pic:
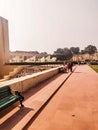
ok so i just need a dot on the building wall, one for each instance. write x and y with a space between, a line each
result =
22 56
81 57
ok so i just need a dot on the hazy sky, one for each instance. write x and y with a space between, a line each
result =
45 25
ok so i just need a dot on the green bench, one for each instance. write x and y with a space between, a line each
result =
8 97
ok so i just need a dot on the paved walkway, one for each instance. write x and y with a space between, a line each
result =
73 107
35 99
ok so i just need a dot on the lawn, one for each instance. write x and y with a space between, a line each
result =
95 67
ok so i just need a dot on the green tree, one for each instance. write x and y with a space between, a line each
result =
90 49
75 50
63 54
82 52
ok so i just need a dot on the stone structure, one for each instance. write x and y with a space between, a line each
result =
24 83
4 41
4 48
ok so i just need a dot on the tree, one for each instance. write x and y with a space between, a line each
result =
67 53
44 53
90 49
82 52
63 54
59 51
75 50
59 54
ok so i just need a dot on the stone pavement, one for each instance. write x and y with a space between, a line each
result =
14 118
73 107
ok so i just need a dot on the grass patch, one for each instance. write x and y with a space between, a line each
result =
94 67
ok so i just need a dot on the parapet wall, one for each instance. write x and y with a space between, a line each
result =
24 83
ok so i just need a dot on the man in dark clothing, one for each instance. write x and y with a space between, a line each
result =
71 65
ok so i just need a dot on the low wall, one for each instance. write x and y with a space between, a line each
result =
23 83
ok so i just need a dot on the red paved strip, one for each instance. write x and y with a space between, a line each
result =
74 106
34 99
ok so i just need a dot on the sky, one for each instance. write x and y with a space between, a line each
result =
45 25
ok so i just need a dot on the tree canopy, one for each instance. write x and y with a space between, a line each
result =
63 54
90 49
66 53
75 50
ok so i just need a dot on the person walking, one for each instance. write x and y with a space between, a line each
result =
71 65
68 66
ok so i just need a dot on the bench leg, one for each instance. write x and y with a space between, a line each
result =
21 104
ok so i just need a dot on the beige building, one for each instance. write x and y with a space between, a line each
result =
22 56
83 57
